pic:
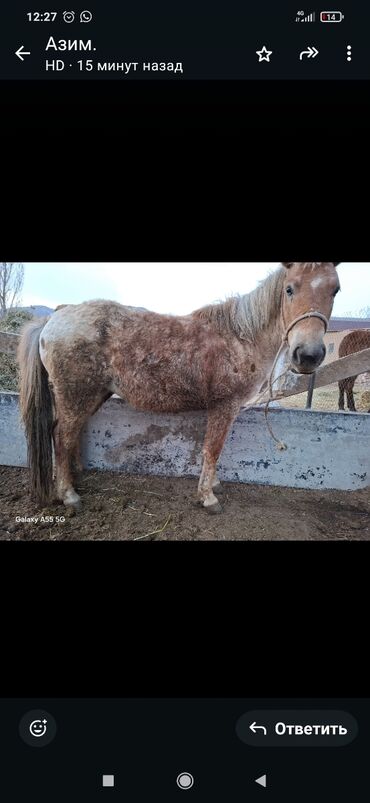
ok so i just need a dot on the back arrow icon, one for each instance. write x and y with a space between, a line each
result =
311 52
254 727
20 53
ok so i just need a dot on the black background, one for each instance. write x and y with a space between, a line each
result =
198 171
180 172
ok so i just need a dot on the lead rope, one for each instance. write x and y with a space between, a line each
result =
312 314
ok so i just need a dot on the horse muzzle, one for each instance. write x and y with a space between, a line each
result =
305 359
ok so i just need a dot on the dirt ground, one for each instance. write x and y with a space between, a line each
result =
122 508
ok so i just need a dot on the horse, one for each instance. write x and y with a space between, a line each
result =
354 341
215 358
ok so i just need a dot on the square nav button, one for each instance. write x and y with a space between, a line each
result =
108 780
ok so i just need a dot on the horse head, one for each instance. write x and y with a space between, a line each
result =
309 290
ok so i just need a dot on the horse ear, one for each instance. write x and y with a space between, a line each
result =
287 264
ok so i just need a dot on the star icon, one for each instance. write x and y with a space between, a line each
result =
264 54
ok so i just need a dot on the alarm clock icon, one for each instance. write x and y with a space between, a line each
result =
68 16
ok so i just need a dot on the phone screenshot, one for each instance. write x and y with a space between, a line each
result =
185 363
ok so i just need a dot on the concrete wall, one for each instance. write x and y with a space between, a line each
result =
325 450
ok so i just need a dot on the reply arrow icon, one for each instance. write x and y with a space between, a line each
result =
254 728
311 52
20 52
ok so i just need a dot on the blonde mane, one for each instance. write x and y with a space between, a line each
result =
245 316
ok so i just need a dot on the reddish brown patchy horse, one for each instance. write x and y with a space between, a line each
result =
354 341
216 358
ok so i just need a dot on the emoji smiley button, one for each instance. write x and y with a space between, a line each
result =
37 728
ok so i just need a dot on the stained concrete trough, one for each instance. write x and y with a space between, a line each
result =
325 449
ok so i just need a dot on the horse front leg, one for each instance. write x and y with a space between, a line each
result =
220 419
341 395
216 485
351 398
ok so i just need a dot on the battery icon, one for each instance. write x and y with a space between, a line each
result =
331 16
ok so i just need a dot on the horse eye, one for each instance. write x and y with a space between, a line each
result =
336 291
289 290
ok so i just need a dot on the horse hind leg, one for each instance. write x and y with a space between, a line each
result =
66 435
219 422
67 431
350 397
341 395
351 402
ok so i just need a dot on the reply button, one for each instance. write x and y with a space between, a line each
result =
297 728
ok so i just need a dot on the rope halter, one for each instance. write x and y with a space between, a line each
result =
310 314
284 341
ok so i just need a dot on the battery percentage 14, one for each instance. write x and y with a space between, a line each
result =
331 16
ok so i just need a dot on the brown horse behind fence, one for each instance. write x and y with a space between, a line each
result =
354 341
216 359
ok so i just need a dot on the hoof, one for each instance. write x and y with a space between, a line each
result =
73 500
213 509
76 506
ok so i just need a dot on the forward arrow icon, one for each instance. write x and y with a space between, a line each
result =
311 52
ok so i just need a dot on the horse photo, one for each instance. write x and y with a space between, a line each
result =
215 358
354 341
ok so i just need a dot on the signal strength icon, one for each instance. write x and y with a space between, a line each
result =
301 17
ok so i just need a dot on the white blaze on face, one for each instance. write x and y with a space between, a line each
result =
317 282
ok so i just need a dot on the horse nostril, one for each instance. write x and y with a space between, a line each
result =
317 356
310 359
302 356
